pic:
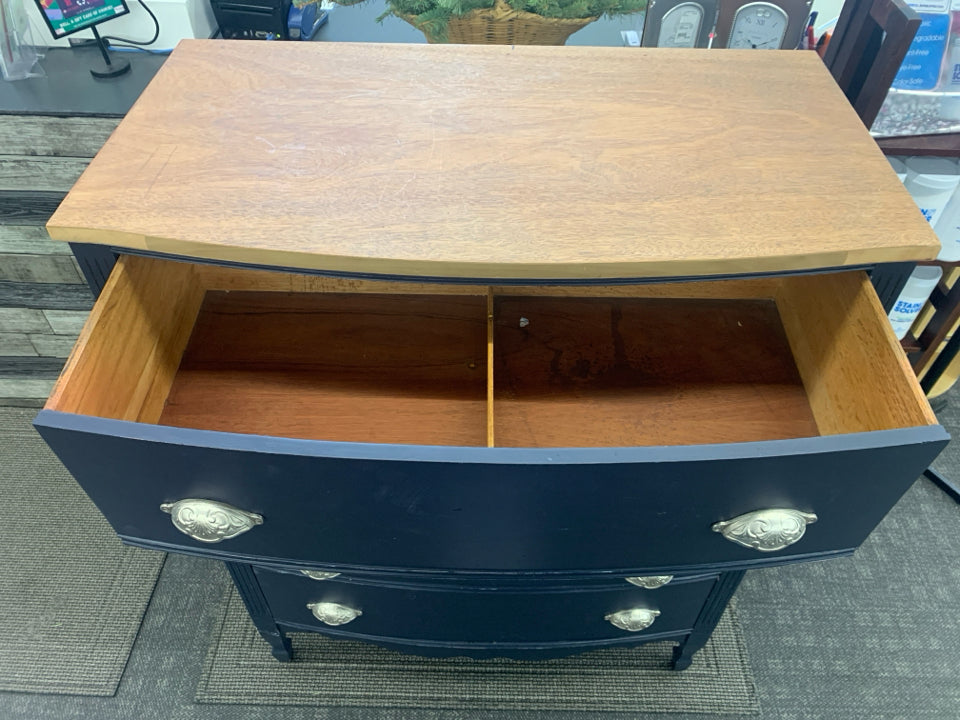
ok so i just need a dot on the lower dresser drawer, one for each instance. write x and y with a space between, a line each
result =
465 616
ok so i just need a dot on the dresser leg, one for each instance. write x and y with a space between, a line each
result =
713 609
249 589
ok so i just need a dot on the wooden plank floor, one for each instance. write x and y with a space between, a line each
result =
43 298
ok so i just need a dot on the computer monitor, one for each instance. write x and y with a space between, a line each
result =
65 17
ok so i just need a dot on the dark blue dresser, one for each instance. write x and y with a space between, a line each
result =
490 351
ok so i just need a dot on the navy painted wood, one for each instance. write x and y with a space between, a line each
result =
488 509
260 612
96 262
710 615
470 617
948 485
430 575
889 280
483 651
483 583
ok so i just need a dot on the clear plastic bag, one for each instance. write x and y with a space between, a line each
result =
925 96
19 56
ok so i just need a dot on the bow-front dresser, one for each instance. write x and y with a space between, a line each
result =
490 351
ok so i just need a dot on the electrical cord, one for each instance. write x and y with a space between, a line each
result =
138 43
130 48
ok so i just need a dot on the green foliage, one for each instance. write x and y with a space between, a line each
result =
432 16
578 8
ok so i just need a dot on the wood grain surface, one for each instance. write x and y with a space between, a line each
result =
857 376
346 359
362 368
582 372
130 347
29 240
48 174
44 296
28 207
214 277
478 161
79 137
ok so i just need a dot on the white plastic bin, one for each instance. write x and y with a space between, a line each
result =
914 296
948 230
899 167
932 181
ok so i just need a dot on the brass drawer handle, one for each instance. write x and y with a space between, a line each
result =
650 582
210 521
320 574
333 613
632 620
766 530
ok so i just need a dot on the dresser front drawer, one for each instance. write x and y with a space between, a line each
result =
467 616
278 418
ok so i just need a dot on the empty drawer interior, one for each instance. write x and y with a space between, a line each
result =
644 371
367 368
298 356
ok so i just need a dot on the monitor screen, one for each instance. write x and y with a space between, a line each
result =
68 16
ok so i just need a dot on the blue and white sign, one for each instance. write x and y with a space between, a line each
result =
921 67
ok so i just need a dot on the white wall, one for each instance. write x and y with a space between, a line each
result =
178 19
828 10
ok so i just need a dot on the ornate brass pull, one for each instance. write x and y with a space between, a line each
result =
320 574
632 620
650 582
333 613
210 521
766 530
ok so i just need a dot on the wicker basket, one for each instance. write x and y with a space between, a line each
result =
502 25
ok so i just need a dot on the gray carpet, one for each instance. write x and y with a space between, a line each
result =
71 596
337 673
874 636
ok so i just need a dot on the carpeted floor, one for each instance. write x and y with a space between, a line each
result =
239 669
874 636
71 596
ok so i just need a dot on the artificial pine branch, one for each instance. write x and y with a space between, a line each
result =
432 16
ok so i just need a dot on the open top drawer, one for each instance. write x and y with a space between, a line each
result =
401 425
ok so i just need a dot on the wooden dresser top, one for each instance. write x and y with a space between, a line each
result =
503 162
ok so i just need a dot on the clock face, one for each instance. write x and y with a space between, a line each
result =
680 27
759 26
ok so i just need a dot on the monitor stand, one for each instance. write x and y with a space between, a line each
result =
107 68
